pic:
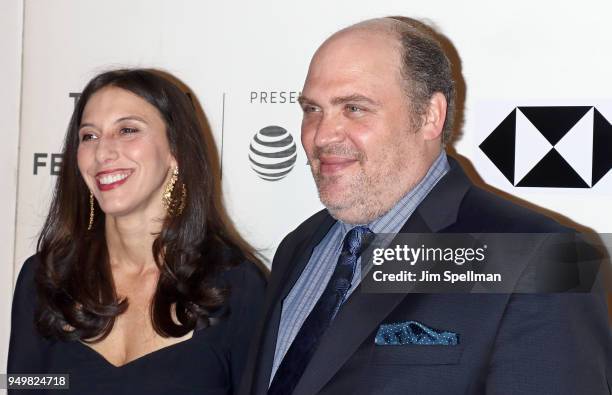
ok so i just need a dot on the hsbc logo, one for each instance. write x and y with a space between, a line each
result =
554 147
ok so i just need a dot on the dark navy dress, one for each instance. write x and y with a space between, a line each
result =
211 362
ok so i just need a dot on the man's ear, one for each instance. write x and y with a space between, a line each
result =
435 115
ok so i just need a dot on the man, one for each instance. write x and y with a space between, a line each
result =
378 105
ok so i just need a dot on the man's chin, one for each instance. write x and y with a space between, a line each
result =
333 188
333 196
341 209
348 215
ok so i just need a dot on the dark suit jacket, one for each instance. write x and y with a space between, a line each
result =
509 343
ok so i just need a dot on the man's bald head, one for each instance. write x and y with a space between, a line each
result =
423 65
370 130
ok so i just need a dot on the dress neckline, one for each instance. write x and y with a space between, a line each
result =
139 359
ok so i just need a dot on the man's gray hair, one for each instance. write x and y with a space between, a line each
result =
425 68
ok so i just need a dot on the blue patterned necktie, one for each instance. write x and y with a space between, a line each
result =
305 343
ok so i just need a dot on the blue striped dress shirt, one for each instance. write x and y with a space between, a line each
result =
313 280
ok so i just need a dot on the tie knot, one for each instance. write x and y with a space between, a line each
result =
355 240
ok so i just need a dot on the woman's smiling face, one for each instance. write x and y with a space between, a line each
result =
123 155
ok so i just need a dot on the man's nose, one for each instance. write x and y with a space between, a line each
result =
330 130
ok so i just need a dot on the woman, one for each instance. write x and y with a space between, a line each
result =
139 283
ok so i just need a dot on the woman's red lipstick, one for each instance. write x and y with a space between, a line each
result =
111 179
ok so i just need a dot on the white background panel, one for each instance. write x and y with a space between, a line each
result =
11 19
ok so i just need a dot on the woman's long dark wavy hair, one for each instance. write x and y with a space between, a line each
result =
76 293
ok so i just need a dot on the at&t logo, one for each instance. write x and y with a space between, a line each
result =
272 153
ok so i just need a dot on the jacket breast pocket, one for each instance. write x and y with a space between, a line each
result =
411 354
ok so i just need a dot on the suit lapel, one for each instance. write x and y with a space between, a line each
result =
357 318
441 206
294 266
355 321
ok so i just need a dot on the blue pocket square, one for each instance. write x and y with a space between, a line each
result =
413 332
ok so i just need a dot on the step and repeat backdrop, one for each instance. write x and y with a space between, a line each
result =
535 94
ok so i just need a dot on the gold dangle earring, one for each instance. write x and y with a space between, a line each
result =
91 210
173 207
